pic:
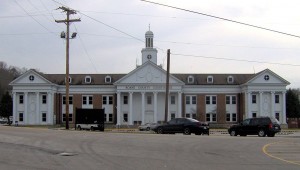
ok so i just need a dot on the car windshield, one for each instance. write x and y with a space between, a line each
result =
274 120
192 120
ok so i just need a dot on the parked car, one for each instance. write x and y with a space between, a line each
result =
260 126
183 125
147 126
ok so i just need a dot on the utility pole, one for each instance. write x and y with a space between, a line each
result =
167 87
67 36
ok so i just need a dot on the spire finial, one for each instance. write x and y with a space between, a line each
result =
149 27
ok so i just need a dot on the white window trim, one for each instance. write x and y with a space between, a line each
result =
106 79
230 79
191 79
88 78
210 79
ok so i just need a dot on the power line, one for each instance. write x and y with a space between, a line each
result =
221 18
231 59
33 17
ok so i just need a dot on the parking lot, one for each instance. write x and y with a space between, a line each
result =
40 148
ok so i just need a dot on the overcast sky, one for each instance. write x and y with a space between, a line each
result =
111 34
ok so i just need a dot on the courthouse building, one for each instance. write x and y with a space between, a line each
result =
138 97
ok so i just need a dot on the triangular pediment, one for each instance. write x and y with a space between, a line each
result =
30 77
267 77
148 73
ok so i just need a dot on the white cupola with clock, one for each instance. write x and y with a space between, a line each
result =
149 53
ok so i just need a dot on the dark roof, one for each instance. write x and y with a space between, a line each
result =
199 79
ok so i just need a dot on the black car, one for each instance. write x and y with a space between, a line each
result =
183 125
260 126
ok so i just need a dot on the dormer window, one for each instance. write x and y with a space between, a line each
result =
190 79
88 79
210 79
70 80
230 79
107 79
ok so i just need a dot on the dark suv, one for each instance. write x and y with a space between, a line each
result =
260 126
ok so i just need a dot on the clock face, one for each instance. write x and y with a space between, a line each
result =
149 56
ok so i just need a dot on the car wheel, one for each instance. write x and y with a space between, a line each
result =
79 127
148 129
271 134
233 133
261 133
186 131
160 130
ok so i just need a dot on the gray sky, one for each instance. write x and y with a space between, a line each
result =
30 37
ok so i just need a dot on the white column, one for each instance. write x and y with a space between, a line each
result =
143 108
272 104
118 108
155 107
25 115
15 107
37 116
49 109
249 104
179 115
283 108
130 108
261 105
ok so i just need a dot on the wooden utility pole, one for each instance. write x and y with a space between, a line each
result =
167 87
67 22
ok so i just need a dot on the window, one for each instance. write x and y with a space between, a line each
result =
70 80
21 117
277 115
107 79
190 99
125 117
70 99
277 98
230 79
211 117
187 100
105 117
172 99
107 100
230 99
210 79
194 115
194 100
44 99
104 100
190 79
125 99
149 100
207 99
214 99
87 79
110 117
187 115
21 99
173 115
231 117
44 117
254 99
87 100
254 115
70 117
211 99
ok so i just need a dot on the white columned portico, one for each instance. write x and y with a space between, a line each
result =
25 115
179 115
143 107
155 107
260 104
283 107
272 104
37 108
14 107
118 108
130 108
249 104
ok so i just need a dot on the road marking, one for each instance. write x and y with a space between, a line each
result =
265 151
